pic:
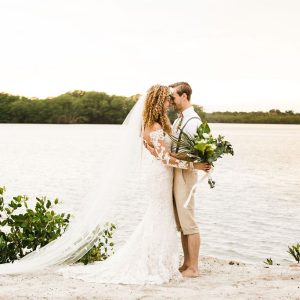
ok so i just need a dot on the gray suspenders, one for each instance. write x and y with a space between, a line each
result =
181 130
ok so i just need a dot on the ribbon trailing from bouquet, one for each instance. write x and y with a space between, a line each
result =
200 179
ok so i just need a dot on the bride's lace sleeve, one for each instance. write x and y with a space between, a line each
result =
161 149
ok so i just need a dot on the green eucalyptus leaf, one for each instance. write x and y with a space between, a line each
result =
48 204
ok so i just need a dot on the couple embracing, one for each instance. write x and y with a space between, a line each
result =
184 173
150 255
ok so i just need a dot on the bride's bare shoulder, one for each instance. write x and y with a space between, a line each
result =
155 126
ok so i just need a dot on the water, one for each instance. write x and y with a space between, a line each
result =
251 214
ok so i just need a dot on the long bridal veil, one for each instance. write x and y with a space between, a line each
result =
105 202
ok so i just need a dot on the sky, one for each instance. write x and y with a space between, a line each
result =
238 55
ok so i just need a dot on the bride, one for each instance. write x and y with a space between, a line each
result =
150 255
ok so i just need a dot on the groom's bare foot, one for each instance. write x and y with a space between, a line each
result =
190 272
183 268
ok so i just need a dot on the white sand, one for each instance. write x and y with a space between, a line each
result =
218 280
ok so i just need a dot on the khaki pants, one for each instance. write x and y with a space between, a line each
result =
182 185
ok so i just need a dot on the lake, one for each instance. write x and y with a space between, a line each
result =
253 212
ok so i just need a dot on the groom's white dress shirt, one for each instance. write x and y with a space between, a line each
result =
191 126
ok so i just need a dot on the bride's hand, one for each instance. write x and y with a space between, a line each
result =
150 149
202 166
174 154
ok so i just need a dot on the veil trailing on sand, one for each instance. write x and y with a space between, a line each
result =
104 202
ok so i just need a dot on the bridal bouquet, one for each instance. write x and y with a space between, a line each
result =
203 147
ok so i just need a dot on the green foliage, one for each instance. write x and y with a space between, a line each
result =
274 116
24 229
75 107
294 250
78 107
199 110
203 147
268 261
103 247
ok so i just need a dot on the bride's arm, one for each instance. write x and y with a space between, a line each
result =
152 151
161 152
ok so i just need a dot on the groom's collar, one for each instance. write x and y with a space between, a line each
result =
187 111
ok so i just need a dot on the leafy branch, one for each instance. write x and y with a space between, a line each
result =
24 229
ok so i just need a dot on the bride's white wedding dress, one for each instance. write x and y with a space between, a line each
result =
150 256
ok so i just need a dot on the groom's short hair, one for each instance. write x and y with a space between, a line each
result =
182 87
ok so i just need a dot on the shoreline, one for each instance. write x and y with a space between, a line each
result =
219 279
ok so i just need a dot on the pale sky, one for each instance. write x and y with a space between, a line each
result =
236 54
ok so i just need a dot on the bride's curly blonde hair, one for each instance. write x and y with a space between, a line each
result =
154 111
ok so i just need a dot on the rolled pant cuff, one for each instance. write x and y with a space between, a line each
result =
191 231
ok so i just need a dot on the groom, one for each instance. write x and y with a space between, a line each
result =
188 121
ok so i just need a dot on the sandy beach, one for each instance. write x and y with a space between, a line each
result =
219 279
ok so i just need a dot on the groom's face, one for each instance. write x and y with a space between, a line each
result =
178 101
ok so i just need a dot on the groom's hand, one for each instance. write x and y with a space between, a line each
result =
202 166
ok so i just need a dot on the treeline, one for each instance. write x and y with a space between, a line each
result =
77 107
274 116
81 107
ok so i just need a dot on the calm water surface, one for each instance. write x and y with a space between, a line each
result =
252 213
